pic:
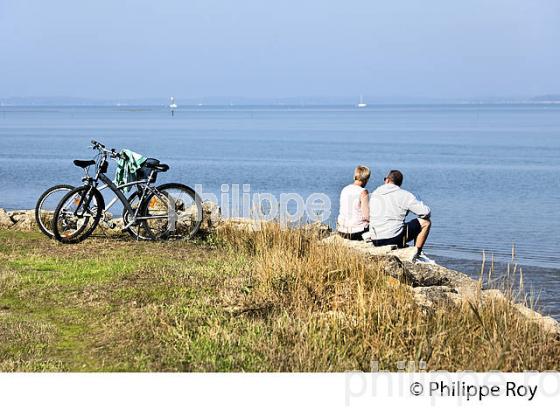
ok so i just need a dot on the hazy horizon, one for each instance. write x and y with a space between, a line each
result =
251 49
553 98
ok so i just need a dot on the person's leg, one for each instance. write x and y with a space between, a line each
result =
418 229
397 241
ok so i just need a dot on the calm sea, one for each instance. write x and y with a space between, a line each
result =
490 173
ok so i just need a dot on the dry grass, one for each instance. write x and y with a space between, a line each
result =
332 310
271 300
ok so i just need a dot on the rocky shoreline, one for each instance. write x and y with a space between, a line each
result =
24 220
434 286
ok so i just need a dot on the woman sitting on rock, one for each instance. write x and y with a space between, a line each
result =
353 218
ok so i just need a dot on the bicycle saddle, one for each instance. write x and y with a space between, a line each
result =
83 163
155 164
161 167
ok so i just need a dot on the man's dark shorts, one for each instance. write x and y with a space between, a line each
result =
409 233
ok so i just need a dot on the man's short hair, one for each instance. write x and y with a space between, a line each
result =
395 176
362 173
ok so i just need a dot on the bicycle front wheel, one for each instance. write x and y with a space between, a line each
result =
77 215
137 230
46 205
173 211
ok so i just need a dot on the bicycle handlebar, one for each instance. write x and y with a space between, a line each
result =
97 144
100 147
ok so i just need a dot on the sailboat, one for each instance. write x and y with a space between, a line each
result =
172 106
362 104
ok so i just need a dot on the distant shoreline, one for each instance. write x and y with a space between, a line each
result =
277 105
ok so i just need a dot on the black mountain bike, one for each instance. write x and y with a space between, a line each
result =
169 211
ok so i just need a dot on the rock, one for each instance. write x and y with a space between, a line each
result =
405 254
111 226
211 216
241 224
360 246
436 275
23 220
546 322
399 265
395 268
430 297
5 220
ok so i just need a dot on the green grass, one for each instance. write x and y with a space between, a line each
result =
272 301
76 307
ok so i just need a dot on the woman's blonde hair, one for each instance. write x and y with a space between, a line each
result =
362 173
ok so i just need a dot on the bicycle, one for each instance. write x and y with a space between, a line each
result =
169 211
50 198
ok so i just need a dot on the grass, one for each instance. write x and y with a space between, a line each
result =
239 301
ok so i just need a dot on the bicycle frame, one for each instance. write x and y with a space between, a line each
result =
145 184
119 187
117 190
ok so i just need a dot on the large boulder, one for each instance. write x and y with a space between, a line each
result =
5 220
23 220
437 275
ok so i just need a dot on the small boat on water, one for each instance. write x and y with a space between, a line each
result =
173 106
362 104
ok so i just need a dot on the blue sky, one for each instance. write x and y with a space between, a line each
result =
287 48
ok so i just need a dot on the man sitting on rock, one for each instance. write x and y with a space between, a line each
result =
388 207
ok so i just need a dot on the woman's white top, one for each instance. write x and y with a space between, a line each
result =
350 217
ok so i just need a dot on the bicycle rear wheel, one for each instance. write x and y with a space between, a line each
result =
77 215
173 211
46 205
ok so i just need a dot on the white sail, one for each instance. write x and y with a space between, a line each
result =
361 104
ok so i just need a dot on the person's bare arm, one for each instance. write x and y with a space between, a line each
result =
364 204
